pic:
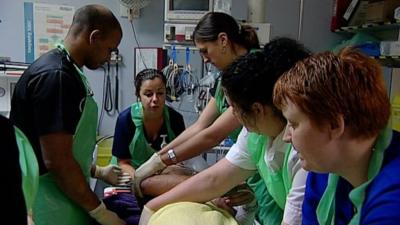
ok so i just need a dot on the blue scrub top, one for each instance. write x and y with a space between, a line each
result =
125 130
382 199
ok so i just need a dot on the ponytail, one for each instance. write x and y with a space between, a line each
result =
248 36
214 23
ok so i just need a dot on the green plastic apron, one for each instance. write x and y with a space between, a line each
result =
277 183
221 106
52 206
29 168
139 148
266 204
326 206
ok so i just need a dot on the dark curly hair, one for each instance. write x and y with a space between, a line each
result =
251 78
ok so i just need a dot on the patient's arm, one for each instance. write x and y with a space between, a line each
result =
161 183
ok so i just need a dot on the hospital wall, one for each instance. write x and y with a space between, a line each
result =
282 14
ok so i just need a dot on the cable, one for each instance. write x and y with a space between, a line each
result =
116 85
108 102
102 102
301 14
137 43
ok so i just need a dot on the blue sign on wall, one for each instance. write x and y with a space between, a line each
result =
29 33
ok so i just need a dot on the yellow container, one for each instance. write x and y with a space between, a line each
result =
396 113
104 153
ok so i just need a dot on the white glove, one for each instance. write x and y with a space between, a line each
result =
147 169
30 218
105 217
145 216
112 174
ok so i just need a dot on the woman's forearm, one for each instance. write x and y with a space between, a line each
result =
184 136
204 140
205 186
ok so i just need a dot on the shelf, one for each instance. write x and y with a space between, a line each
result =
389 61
179 46
369 27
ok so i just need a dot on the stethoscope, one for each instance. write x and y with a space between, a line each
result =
164 142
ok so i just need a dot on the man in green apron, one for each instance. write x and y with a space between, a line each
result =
54 106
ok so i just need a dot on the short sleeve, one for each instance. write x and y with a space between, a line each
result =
58 98
177 122
239 155
123 135
294 200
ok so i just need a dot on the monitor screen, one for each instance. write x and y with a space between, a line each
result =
195 5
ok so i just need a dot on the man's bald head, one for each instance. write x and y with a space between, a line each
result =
95 32
94 17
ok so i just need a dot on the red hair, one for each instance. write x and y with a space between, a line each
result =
350 84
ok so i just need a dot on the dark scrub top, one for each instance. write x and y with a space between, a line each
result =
213 91
47 99
11 189
382 200
125 130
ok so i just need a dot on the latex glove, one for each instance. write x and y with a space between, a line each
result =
145 216
147 169
112 174
30 218
105 217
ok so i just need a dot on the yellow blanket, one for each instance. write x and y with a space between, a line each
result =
191 213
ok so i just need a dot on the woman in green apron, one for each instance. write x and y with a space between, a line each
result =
141 130
220 40
248 83
338 110
147 125
54 106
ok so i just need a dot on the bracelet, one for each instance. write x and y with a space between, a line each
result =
172 155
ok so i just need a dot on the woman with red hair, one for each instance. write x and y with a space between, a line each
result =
338 109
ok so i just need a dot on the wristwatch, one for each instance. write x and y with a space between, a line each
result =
172 156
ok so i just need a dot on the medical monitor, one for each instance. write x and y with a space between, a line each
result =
187 10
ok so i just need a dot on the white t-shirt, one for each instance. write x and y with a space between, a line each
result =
239 156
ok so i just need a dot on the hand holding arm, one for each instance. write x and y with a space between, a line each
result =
147 169
239 195
208 184
111 174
